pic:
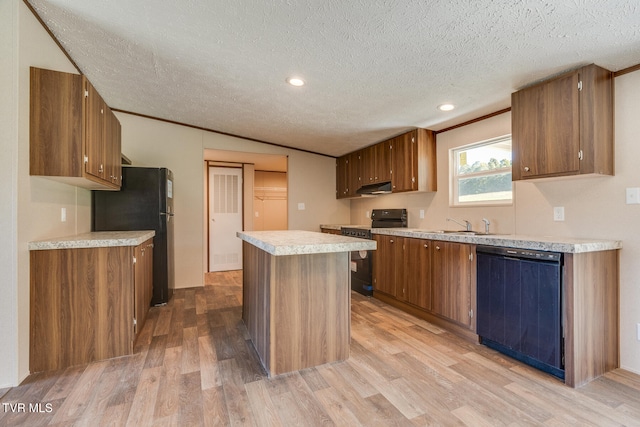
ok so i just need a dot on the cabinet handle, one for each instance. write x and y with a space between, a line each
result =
526 169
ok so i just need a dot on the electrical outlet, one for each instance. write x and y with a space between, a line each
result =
421 213
301 206
633 196
558 213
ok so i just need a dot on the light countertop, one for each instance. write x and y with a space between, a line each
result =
296 242
96 239
541 243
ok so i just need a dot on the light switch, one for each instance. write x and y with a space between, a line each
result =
633 196
63 214
301 206
421 213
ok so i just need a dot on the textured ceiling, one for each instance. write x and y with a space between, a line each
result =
374 68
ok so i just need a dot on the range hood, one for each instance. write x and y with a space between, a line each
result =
379 188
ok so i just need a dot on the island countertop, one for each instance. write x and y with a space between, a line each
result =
96 239
297 242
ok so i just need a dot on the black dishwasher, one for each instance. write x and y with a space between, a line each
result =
520 305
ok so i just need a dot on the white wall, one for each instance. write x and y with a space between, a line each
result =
8 185
594 207
150 142
32 204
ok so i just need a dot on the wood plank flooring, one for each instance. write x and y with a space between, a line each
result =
195 366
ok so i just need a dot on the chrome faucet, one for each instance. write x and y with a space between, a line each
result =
467 226
486 225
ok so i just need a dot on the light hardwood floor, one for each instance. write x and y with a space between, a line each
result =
194 365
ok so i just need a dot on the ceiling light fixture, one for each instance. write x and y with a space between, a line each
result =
295 81
446 107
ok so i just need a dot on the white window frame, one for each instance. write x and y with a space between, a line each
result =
454 177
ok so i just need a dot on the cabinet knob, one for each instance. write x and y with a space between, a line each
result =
391 241
437 248
426 246
526 169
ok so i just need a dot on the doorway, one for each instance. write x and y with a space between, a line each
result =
225 218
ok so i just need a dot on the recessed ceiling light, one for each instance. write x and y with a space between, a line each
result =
446 107
295 81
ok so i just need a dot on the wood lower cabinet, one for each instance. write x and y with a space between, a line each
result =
431 279
402 269
387 265
84 302
143 283
330 231
452 282
417 272
564 125
74 136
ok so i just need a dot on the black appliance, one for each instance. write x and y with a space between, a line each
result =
144 202
519 295
361 264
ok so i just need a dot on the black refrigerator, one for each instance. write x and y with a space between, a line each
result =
144 202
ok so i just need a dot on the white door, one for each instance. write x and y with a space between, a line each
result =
225 218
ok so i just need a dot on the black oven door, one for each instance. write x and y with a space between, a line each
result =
361 272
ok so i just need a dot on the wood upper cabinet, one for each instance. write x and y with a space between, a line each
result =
74 136
342 184
413 161
113 149
408 161
348 175
564 126
452 282
376 163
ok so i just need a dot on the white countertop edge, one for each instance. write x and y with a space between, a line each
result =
296 242
96 239
542 243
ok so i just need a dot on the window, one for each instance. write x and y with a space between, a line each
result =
481 173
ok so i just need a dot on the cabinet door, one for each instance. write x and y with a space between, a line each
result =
55 123
416 275
382 162
368 165
546 128
404 163
353 173
140 290
452 281
384 264
94 137
112 143
341 177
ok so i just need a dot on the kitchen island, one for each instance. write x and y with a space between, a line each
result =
297 296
